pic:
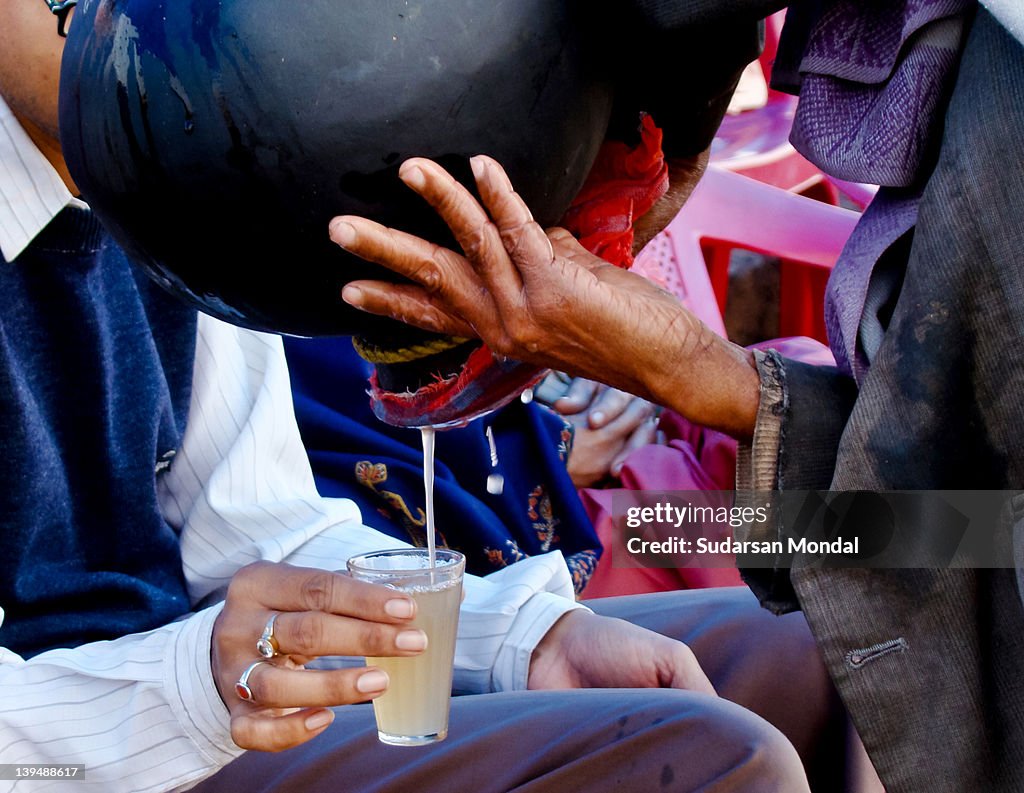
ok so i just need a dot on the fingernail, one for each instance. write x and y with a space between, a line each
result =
411 640
343 233
616 469
353 295
597 417
477 165
319 720
413 176
372 681
400 608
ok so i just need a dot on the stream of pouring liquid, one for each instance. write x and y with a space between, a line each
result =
427 434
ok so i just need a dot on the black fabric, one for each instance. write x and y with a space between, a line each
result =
801 17
672 15
680 62
810 440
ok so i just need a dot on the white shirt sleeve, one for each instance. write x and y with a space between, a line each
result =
139 712
142 712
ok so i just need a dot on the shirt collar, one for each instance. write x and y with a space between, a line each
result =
31 191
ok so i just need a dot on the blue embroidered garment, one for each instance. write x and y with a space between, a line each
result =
354 455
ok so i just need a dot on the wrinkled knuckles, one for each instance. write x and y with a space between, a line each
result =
318 591
518 241
524 334
242 581
502 345
306 634
375 638
477 243
428 276
453 206
432 319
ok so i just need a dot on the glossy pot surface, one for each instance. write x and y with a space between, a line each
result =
217 138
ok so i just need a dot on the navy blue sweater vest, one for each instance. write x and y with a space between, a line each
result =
95 377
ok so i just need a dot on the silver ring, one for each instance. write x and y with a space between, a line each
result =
242 686
267 645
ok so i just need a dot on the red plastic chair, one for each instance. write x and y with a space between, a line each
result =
755 142
690 258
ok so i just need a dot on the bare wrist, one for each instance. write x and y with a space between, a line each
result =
713 383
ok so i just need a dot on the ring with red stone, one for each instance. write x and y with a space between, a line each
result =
242 686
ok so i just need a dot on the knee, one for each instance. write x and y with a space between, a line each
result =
772 763
798 653
763 760
775 658
786 642
721 746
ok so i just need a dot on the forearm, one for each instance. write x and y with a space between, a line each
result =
688 368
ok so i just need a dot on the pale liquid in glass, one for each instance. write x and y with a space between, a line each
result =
414 709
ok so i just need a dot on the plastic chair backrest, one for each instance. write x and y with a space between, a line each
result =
756 143
726 211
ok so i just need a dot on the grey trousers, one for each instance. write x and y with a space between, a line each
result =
777 715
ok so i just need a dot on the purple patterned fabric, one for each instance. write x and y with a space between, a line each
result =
887 218
875 78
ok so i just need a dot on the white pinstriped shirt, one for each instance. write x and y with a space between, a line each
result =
142 712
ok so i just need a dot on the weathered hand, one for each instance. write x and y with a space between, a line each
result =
541 298
320 613
584 650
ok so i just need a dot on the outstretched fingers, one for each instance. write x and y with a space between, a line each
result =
525 241
278 687
437 270
478 237
269 731
406 303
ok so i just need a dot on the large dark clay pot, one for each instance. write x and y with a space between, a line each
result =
216 139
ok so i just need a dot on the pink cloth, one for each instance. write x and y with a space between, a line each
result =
692 458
